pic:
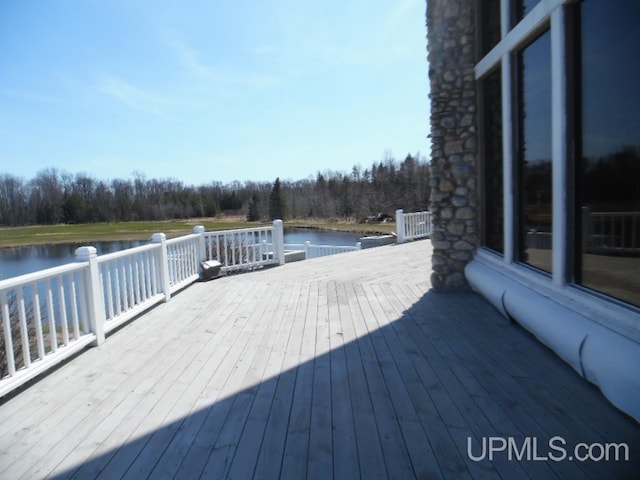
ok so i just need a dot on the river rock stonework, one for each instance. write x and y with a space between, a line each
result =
454 202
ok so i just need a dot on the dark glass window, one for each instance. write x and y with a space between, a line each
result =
493 179
490 24
521 8
608 160
534 153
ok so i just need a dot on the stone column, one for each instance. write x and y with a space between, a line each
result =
454 205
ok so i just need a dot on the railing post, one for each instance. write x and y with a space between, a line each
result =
202 252
400 225
307 247
359 245
93 290
278 241
165 283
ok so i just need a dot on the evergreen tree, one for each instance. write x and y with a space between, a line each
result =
276 202
254 208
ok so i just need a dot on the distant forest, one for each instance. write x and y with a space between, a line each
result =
55 196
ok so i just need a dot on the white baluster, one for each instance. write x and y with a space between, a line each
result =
38 320
53 332
8 338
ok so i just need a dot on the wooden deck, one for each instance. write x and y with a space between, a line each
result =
344 367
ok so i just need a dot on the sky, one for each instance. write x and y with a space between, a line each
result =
211 90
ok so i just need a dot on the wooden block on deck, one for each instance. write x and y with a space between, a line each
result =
210 269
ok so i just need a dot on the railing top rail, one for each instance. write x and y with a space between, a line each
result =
417 214
125 253
295 245
332 246
184 238
41 275
616 214
238 230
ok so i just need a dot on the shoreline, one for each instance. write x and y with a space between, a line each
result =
35 235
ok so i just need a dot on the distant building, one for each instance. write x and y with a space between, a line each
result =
535 130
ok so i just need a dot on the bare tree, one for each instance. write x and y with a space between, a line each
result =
54 196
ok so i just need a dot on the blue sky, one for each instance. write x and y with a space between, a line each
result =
216 90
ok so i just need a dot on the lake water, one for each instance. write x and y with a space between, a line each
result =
320 237
20 260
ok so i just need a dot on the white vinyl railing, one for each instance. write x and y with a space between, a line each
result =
412 226
50 315
246 248
131 282
611 231
316 251
183 259
44 320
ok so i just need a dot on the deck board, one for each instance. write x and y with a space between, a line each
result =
340 367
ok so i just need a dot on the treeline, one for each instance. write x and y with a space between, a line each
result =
54 196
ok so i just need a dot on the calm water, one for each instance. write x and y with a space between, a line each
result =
317 237
20 260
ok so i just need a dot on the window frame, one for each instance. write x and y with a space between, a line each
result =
482 132
547 15
562 285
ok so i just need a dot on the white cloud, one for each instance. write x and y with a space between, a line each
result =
223 80
134 97
190 58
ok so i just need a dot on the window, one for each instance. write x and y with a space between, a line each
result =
493 164
534 153
608 148
587 133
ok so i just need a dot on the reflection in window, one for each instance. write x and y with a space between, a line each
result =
609 149
534 153
521 8
492 135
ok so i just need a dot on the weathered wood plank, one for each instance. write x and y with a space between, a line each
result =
395 453
230 375
320 463
344 447
296 452
187 417
272 451
143 452
371 459
249 445
415 399
236 424
429 361
295 455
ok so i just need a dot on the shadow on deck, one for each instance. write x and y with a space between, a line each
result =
353 380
